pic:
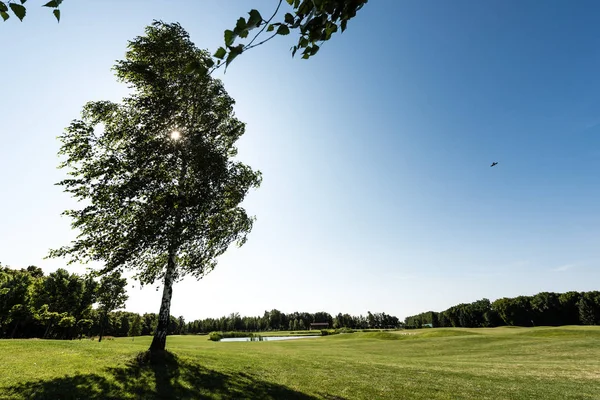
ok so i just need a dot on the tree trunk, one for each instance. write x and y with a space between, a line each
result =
14 331
159 341
47 330
102 323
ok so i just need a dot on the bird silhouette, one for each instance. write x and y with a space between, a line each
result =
494 163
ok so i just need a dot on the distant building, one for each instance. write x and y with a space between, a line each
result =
319 325
427 326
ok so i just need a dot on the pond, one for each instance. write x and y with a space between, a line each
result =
267 338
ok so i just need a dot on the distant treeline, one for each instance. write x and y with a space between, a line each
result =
543 309
275 320
60 305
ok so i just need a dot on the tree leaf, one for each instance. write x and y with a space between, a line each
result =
3 7
18 9
289 18
196 68
233 53
4 15
57 14
283 30
229 37
240 26
270 28
23 1
255 19
290 2
220 53
52 4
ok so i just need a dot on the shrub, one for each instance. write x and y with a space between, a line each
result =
215 336
327 332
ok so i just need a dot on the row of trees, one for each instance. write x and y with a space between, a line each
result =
545 309
275 320
59 305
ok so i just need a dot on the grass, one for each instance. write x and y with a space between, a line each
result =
496 363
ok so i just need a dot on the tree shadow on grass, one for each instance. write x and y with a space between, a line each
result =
164 377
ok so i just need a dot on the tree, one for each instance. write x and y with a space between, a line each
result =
162 187
135 328
546 308
111 296
65 292
569 308
589 308
314 21
14 298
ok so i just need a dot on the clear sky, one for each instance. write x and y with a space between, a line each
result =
378 193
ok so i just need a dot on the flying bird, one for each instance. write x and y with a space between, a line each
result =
493 164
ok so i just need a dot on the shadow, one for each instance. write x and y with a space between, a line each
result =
164 377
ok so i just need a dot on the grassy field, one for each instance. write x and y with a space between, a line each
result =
498 363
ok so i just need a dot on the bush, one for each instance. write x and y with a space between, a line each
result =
216 336
327 332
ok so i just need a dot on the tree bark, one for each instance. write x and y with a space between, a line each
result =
159 341
14 331
102 323
47 330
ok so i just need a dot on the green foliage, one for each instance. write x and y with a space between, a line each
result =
162 187
276 320
545 308
135 328
589 308
314 21
216 336
111 293
149 195
19 9
329 332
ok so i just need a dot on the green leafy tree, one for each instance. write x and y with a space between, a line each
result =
14 298
46 317
546 308
84 326
162 187
569 308
589 308
111 296
135 328
66 322
65 292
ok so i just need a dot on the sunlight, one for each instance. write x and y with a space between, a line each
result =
175 135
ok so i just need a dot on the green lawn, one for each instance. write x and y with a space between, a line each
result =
498 363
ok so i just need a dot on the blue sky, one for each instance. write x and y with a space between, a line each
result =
377 191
